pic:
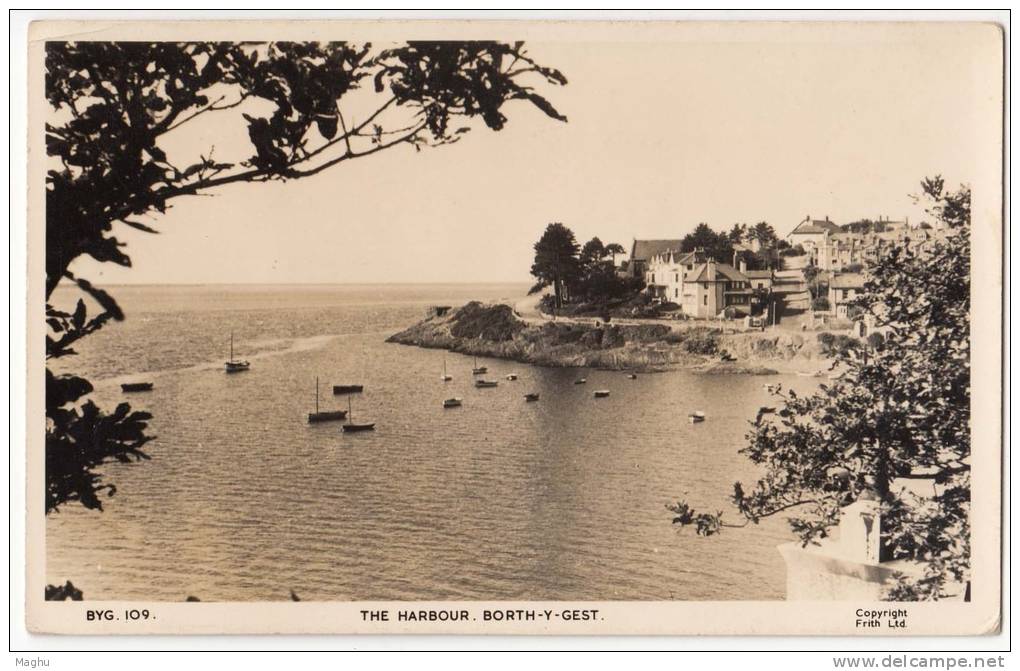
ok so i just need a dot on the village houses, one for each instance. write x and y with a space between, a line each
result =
703 287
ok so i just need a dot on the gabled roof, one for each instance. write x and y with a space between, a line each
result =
643 250
723 271
816 226
758 274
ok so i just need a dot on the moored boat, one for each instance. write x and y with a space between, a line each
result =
531 397
235 365
324 415
351 426
601 393
632 376
486 383
582 380
512 376
479 370
348 389
452 403
445 378
136 386
696 416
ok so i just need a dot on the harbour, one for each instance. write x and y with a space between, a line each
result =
501 499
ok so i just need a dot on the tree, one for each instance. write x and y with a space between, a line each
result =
765 235
556 260
900 413
115 103
811 275
738 233
716 245
614 248
592 252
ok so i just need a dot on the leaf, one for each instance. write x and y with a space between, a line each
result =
140 227
327 126
78 318
103 298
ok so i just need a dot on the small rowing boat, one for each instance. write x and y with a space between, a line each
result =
531 397
352 427
601 393
696 416
484 384
452 403
348 389
136 386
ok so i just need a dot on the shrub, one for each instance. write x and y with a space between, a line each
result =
876 340
837 344
702 342
820 304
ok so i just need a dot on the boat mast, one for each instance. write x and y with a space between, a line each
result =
231 345
350 410
316 394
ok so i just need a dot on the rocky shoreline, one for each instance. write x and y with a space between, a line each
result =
497 331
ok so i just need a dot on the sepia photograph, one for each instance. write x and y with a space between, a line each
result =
535 327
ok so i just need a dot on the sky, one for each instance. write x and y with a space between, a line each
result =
661 135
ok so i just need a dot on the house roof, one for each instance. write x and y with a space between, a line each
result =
815 226
643 250
758 274
723 271
847 281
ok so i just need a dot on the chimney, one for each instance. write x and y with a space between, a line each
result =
743 266
826 217
711 269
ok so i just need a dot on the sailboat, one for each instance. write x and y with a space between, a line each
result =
326 415
350 426
445 378
479 370
235 365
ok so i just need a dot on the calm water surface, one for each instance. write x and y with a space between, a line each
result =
563 499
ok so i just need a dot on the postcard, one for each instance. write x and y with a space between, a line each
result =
520 327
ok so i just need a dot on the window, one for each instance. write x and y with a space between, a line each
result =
676 293
704 299
676 277
653 278
846 293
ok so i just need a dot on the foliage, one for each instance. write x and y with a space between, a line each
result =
701 341
556 260
820 304
796 250
587 274
716 245
65 592
899 413
115 103
837 344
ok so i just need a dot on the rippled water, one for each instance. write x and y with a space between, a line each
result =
499 499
